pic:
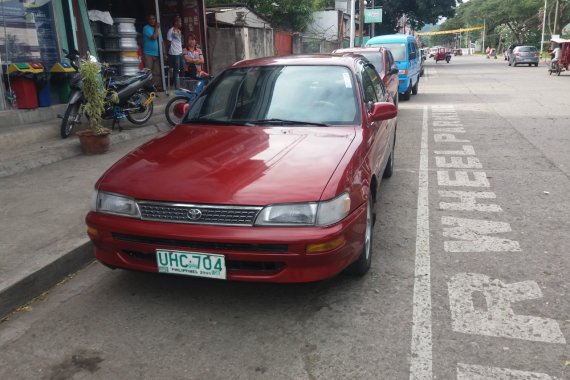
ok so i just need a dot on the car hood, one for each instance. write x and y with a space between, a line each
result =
231 165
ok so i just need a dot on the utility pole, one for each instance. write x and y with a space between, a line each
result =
543 25
484 30
361 21
555 19
352 19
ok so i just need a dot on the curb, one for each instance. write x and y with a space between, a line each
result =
45 278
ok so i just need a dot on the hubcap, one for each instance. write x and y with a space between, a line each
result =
368 230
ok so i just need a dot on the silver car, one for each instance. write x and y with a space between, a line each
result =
524 55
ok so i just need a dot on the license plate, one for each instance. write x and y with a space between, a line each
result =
191 263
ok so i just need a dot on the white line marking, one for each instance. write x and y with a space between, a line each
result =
477 372
421 362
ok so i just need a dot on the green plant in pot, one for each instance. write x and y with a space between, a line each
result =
96 139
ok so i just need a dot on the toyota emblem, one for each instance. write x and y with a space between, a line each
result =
194 214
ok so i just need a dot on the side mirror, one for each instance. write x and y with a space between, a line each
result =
394 70
383 111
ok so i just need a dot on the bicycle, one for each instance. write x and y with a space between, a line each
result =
175 109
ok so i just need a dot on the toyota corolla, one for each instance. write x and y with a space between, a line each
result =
272 176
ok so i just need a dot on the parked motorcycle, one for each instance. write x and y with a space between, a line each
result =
129 97
175 109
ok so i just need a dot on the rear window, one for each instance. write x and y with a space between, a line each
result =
398 49
526 48
375 58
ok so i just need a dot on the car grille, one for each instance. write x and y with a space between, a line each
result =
210 246
198 214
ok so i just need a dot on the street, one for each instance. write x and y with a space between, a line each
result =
469 278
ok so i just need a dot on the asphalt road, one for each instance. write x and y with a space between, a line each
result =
469 278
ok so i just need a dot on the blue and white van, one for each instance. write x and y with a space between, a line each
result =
407 57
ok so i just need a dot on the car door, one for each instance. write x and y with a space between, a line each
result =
376 132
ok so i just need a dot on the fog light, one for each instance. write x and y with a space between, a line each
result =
92 232
326 246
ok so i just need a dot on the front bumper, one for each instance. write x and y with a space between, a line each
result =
264 254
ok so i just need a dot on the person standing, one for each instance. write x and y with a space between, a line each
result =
174 41
151 54
193 57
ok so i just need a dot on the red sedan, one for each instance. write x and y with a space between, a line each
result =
272 176
383 61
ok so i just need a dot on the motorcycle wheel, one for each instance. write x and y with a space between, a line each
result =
69 120
142 115
173 109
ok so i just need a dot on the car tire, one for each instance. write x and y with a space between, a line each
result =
415 87
389 169
361 266
536 65
406 95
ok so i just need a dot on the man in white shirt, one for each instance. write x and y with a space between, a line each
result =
174 40
557 54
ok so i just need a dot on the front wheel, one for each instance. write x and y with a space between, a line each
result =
174 110
138 111
70 118
389 169
361 266
415 87
406 95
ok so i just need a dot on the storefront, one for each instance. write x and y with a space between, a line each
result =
36 31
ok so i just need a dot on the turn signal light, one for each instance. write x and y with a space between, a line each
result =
326 246
92 231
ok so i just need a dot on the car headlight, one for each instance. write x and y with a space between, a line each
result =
403 72
110 203
305 214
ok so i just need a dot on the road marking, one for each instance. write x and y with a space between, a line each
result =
497 318
466 150
458 162
468 201
472 236
462 179
477 372
421 362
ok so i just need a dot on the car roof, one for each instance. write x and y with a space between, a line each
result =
358 49
348 60
390 38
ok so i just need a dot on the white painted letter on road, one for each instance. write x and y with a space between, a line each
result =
498 318
468 201
472 236
462 179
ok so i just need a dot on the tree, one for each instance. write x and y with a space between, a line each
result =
293 15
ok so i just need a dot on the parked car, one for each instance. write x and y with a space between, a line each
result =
272 176
509 51
383 61
524 55
407 57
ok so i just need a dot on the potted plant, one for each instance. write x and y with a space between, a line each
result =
96 139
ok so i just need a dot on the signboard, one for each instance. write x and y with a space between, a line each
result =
372 15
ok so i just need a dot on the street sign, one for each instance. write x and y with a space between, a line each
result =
372 15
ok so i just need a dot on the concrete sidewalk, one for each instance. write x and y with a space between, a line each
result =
45 189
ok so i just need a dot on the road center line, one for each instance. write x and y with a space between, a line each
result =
421 361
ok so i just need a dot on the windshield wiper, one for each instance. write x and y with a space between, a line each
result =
285 122
206 120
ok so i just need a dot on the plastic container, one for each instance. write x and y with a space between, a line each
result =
23 84
61 74
41 79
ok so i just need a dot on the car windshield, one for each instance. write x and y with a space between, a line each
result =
526 48
375 58
398 49
279 95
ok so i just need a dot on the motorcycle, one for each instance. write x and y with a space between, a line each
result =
129 97
175 108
